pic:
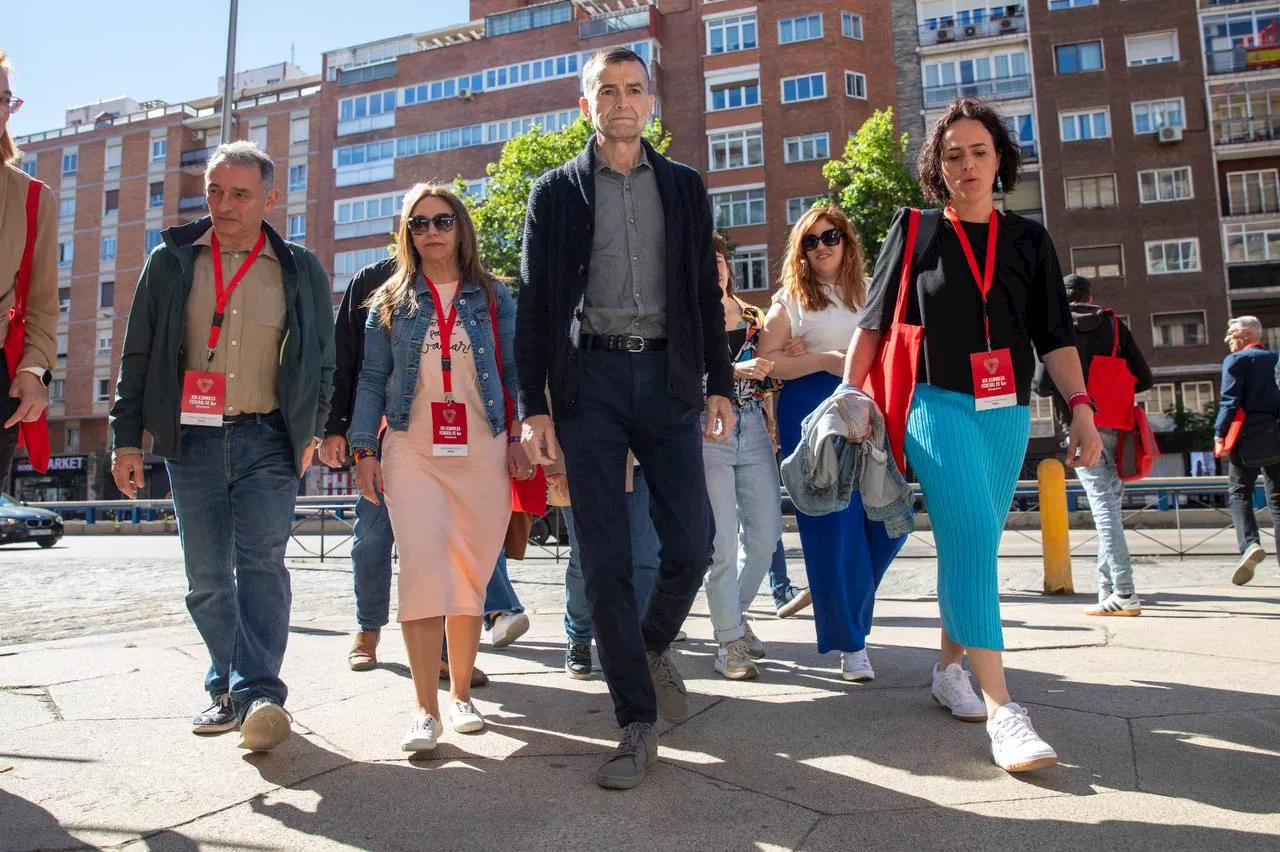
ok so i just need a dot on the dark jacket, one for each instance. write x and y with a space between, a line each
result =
556 261
150 380
348 341
1248 382
1095 334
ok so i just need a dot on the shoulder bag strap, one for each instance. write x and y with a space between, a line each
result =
22 289
497 354
1115 331
908 260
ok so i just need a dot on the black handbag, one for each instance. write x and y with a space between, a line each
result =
1260 441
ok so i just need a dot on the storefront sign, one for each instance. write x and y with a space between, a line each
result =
57 463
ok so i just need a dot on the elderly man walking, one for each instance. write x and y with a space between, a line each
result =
228 363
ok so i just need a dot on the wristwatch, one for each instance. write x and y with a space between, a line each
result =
44 376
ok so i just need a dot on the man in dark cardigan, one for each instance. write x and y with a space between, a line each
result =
620 316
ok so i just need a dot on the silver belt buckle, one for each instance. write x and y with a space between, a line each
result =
635 343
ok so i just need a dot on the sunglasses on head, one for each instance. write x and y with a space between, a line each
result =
830 237
444 223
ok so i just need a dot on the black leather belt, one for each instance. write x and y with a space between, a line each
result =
228 419
623 343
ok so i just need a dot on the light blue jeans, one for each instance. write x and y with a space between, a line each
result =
742 481
1103 488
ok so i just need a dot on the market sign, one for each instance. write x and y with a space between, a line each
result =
57 463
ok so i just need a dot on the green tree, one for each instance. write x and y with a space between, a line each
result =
871 180
499 216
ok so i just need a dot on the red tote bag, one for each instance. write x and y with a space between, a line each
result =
527 495
892 380
34 435
1111 385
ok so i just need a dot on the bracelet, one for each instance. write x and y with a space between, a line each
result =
1081 398
361 453
513 439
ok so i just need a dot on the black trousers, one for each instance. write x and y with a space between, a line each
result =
624 405
1241 481
8 437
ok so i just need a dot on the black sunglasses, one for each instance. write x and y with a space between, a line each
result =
444 223
831 237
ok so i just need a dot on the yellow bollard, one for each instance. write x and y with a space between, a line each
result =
1054 532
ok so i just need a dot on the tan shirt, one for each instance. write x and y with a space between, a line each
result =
40 347
252 331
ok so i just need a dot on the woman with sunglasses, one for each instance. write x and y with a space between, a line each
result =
988 294
438 365
25 361
806 332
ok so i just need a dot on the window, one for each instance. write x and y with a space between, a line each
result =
855 84
1078 58
1098 261
736 95
157 194
348 263
1165 184
64 299
1091 193
797 207
298 178
798 149
101 393
369 207
1059 5
736 149
1088 124
726 35
1197 396
1150 116
258 136
750 269
851 25
1169 256
62 345
70 164
58 390
108 248
153 239
807 87
374 111
159 150
1151 48
1185 329
999 76
802 28
111 202
298 227
738 208
66 254
1252 192
106 295
300 128
519 20
1161 398
67 208
113 157
29 165
104 343
73 439
1253 242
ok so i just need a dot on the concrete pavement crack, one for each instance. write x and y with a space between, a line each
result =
818 820
1133 757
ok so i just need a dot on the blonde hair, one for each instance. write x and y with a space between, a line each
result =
401 286
8 150
797 279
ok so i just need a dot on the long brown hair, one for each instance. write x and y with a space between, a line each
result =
8 150
400 289
721 246
798 280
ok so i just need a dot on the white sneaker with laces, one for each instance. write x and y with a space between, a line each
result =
422 735
1249 560
953 690
1116 604
507 628
856 666
466 718
1015 745
754 646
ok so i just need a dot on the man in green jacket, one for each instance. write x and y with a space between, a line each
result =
228 363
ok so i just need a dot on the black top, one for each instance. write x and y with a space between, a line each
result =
737 339
1027 304
348 338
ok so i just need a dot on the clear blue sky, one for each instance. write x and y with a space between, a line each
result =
75 52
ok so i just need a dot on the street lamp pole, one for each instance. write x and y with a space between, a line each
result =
228 85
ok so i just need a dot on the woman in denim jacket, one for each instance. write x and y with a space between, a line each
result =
434 374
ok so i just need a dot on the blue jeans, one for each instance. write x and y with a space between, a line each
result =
645 554
742 481
234 489
1103 489
778 579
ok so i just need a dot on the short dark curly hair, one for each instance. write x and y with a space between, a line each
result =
930 163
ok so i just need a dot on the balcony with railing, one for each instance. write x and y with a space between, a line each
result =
191 202
1239 59
198 157
1030 150
993 89
945 31
1253 255
618 22
1253 277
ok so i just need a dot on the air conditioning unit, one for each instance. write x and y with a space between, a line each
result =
1169 135
464 94
944 35
970 30
1006 24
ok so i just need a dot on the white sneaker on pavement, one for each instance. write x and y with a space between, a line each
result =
1249 560
465 717
856 666
1015 745
507 628
1116 604
422 735
754 646
953 690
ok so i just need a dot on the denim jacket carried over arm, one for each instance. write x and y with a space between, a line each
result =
389 372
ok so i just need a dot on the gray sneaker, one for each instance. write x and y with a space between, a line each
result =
637 751
1249 560
673 698
754 646
733 660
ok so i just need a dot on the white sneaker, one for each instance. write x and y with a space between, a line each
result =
1249 560
754 646
733 660
507 628
465 717
422 735
856 666
1116 604
953 690
265 726
1015 745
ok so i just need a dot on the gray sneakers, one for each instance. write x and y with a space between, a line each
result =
637 751
673 698
1249 560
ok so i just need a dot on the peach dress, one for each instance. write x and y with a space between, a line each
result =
449 513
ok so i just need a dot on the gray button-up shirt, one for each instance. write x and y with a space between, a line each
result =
627 287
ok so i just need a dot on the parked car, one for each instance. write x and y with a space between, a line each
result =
22 523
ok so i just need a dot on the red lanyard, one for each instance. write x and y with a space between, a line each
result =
446 332
224 293
985 279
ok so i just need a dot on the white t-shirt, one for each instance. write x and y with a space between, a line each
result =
822 331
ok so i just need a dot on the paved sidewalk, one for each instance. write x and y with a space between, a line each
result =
1168 726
